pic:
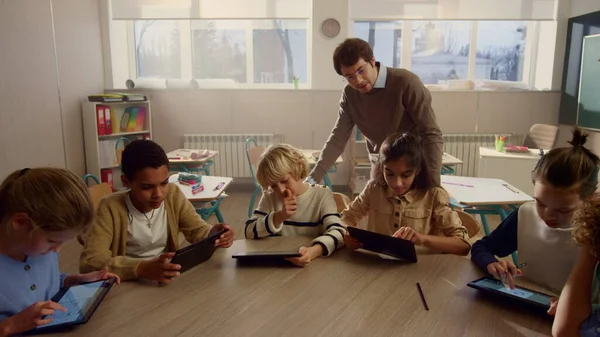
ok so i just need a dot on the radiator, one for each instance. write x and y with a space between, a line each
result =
231 160
466 148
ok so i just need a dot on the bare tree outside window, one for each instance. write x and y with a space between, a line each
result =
157 49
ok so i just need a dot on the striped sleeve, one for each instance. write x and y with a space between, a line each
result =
260 225
332 231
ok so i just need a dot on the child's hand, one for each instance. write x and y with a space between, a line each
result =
289 205
351 242
553 306
97 276
308 254
504 271
226 239
409 234
31 317
159 269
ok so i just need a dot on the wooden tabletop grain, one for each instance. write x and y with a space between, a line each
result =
347 294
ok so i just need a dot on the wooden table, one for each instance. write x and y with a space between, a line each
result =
347 294
210 198
513 167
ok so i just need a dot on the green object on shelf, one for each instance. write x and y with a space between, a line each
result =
296 82
500 145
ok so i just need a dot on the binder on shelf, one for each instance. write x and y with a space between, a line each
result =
131 125
124 120
140 119
100 120
106 98
106 176
107 121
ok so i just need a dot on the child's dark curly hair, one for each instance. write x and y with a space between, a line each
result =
587 225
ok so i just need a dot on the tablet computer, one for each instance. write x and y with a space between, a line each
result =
196 253
266 255
385 244
521 295
80 301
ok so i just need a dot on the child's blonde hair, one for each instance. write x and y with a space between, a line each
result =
54 199
278 161
587 225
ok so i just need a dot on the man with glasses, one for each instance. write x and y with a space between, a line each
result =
379 101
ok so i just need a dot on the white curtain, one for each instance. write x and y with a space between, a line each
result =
210 9
453 9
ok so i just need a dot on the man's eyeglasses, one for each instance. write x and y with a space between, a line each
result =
354 77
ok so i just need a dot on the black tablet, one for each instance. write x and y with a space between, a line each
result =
384 244
80 301
196 253
266 255
522 295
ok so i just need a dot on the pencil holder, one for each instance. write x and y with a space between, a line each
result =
500 145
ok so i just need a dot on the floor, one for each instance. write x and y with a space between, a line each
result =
235 211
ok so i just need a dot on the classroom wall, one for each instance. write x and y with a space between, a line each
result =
580 7
305 117
46 66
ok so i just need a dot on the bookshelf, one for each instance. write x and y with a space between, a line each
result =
100 149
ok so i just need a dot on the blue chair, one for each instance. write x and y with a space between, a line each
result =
253 152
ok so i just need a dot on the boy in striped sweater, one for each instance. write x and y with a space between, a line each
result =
291 206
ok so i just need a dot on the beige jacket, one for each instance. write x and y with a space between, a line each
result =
427 213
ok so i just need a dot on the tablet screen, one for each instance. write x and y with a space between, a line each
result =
529 295
77 300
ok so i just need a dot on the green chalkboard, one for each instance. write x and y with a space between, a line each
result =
589 87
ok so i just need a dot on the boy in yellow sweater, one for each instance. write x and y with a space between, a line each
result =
136 233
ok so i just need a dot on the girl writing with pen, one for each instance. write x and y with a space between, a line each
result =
541 230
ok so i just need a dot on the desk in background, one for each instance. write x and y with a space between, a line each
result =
484 196
449 163
209 195
515 168
177 163
346 294
312 156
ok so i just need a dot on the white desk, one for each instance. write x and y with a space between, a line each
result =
450 160
483 191
209 183
312 156
512 167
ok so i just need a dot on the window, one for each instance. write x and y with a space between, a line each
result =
219 50
242 51
440 50
500 50
157 49
384 37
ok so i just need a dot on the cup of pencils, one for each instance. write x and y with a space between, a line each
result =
500 143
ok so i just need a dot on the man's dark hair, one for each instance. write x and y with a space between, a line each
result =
141 154
349 52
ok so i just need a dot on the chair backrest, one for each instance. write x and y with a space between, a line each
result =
541 136
469 222
341 201
253 152
97 192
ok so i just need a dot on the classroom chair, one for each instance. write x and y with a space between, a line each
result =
483 212
253 152
97 192
469 222
341 200
541 136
